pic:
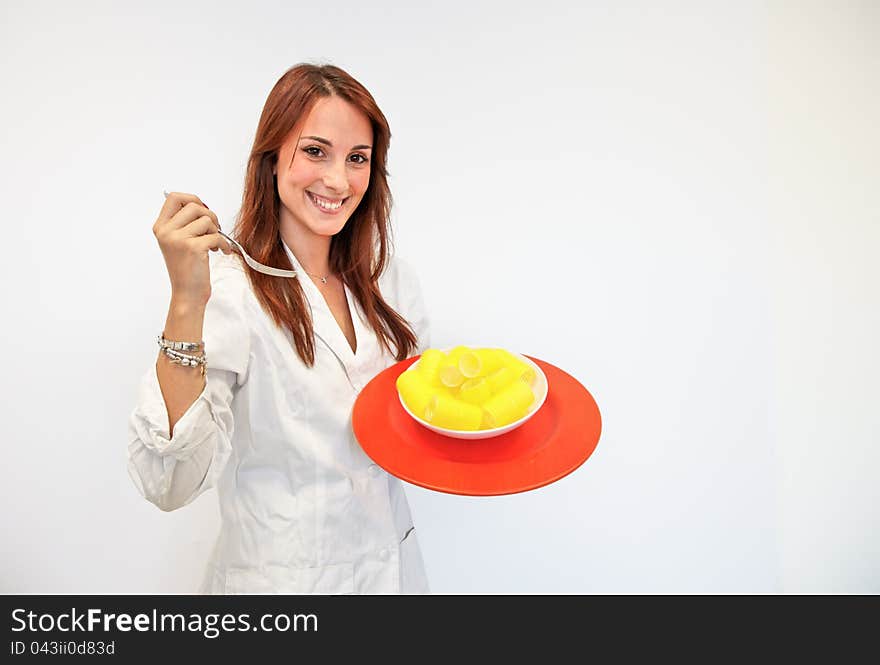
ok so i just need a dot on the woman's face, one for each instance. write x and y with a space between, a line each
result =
326 162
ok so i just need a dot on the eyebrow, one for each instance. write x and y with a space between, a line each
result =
328 143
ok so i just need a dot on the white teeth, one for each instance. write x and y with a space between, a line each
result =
327 206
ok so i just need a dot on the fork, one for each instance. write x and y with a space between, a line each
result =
256 265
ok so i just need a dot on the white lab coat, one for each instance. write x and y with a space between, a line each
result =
303 508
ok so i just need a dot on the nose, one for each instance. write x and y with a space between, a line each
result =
335 178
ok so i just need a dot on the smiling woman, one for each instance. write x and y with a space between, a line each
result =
324 142
268 420
321 188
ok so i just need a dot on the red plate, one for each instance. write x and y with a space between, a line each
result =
550 445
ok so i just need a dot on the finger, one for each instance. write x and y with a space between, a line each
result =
208 242
198 227
174 201
227 247
191 211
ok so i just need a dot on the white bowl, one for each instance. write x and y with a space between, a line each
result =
539 388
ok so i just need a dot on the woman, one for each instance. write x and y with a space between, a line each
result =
255 398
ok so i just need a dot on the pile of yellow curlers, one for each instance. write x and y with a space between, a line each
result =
468 389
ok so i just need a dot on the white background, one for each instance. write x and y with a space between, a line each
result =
675 202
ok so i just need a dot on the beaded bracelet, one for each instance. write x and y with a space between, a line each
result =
184 359
180 346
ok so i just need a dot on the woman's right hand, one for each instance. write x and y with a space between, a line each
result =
187 230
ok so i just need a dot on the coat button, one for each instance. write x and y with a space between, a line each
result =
384 554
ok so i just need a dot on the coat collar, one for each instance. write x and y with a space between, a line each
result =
327 330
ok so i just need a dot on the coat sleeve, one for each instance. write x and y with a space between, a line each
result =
412 303
172 471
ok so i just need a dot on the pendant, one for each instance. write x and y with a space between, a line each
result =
324 279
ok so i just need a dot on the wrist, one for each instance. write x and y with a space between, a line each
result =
185 321
186 307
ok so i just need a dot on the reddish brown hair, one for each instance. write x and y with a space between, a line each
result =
359 252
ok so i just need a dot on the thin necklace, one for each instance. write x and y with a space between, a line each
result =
323 279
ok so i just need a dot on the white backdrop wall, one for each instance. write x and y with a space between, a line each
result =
824 76
685 198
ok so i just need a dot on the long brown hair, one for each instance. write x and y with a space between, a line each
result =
359 252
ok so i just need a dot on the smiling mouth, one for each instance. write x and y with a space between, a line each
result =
322 204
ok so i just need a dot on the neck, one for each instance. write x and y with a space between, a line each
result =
312 251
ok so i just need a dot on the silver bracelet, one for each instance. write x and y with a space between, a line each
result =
186 360
179 346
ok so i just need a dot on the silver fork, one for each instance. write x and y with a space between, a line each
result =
256 265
